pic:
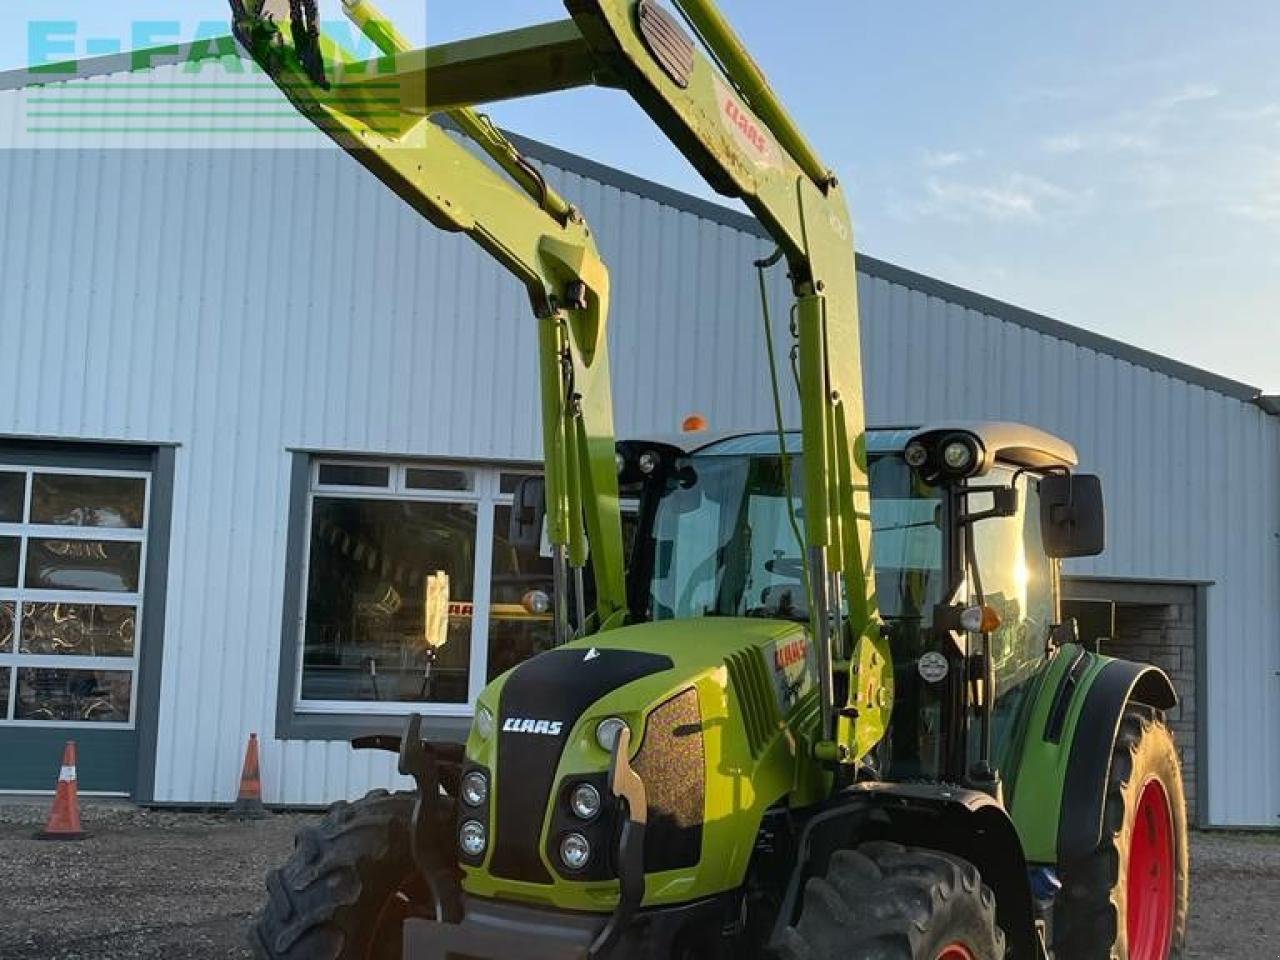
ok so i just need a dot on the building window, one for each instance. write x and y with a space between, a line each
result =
513 634
412 593
72 559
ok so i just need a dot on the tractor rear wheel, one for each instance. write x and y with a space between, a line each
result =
883 901
348 888
1127 900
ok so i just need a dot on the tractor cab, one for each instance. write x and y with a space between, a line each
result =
967 522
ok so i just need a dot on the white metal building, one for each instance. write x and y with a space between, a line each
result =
249 397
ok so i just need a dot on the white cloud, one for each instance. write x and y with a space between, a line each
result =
1061 93
1111 141
1132 141
944 159
1261 204
1264 208
1063 143
1137 130
1018 197
1191 93
1262 113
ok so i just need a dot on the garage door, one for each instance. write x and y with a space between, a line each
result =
74 540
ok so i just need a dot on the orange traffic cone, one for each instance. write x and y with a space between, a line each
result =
248 805
64 818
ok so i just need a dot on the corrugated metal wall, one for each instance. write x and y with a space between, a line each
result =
243 303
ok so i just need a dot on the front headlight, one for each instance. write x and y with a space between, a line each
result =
959 455
585 801
575 851
916 454
473 838
607 732
475 789
484 722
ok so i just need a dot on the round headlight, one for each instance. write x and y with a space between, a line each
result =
575 851
536 602
648 462
484 722
916 455
472 838
475 788
959 455
585 801
607 732
621 461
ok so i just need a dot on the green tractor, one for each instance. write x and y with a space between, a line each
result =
750 740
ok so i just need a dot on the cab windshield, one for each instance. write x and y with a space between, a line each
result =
724 543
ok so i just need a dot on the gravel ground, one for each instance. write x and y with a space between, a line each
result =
146 885
153 885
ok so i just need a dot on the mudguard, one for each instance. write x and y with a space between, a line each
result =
966 823
1056 783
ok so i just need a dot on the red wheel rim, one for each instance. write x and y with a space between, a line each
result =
957 951
1151 876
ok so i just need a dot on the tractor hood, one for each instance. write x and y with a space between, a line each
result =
709 703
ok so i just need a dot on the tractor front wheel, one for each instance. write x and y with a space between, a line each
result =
1127 900
883 901
348 888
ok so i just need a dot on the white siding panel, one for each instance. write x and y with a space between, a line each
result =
244 303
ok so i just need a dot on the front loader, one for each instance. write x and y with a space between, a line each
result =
749 740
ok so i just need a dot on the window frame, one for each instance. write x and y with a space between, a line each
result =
485 495
21 594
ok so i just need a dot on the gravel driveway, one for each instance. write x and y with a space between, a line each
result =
174 886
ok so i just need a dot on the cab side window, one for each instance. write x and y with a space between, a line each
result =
1018 581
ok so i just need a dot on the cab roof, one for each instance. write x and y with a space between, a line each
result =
1015 443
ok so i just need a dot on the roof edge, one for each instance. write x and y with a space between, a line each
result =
216 47
892 273
1097 342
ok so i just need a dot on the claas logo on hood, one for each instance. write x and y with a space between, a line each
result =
547 728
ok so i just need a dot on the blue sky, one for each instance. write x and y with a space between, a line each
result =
1114 165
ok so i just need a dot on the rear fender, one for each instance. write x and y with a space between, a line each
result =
1119 684
1058 780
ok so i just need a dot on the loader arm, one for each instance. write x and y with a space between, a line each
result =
715 104
705 93
516 217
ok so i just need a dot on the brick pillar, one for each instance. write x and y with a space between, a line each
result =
1165 635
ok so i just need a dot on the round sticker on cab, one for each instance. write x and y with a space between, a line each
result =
933 666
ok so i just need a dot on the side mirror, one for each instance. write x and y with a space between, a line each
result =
528 512
1073 521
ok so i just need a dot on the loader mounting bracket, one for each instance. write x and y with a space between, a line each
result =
435 768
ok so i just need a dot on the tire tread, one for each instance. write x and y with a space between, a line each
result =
314 906
884 901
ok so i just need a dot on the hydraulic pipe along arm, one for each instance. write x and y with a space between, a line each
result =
697 82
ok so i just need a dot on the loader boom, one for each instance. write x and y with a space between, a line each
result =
708 96
517 218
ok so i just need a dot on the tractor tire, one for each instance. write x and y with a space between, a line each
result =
883 901
1127 900
347 889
